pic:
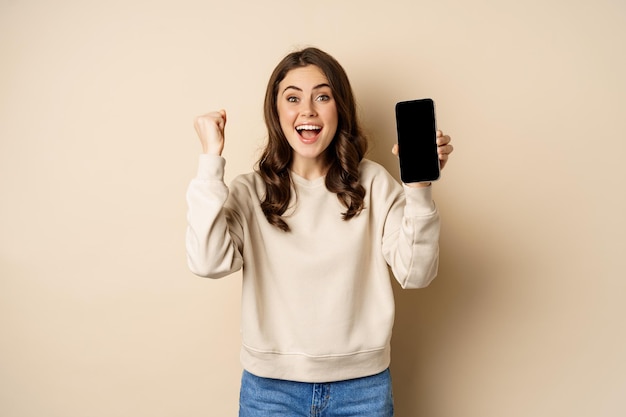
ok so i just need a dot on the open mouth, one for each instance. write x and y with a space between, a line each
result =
308 132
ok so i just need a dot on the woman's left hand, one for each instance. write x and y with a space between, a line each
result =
444 149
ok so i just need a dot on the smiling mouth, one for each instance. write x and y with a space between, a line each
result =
308 132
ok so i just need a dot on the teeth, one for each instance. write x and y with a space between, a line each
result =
308 127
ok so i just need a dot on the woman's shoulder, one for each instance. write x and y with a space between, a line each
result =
373 170
377 179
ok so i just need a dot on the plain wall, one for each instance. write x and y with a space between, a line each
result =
99 315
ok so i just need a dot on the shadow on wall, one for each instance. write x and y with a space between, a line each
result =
429 325
431 322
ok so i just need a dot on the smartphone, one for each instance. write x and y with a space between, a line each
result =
417 140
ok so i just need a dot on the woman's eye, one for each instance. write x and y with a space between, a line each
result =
323 97
292 99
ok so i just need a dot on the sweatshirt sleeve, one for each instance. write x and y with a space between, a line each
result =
411 237
210 240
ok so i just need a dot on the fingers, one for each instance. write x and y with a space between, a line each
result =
210 130
217 118
442 139
444 149
220 118
444 152
443 144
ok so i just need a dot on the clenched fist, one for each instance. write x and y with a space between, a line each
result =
210 130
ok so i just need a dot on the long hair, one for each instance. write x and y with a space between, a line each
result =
344 154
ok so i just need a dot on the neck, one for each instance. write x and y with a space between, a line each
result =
309 169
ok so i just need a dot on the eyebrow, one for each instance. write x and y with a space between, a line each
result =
317 87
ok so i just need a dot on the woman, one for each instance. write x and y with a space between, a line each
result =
314 229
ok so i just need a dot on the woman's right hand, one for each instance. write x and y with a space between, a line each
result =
210 130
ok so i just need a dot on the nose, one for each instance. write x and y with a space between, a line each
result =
308 108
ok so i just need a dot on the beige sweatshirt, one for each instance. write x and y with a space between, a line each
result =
317 302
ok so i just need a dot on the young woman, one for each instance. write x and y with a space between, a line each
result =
314 228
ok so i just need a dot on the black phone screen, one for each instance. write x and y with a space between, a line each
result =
415 121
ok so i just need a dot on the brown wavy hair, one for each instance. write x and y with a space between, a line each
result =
344 154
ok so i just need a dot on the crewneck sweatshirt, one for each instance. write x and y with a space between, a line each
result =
317 301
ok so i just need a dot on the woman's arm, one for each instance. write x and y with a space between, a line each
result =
212 250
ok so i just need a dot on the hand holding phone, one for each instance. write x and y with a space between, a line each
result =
417 140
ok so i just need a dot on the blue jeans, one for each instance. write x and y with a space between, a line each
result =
369 396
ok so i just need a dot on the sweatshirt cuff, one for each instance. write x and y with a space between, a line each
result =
211 167
419 201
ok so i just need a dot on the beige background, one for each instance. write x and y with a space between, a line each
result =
99 315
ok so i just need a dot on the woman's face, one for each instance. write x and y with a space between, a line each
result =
308 115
